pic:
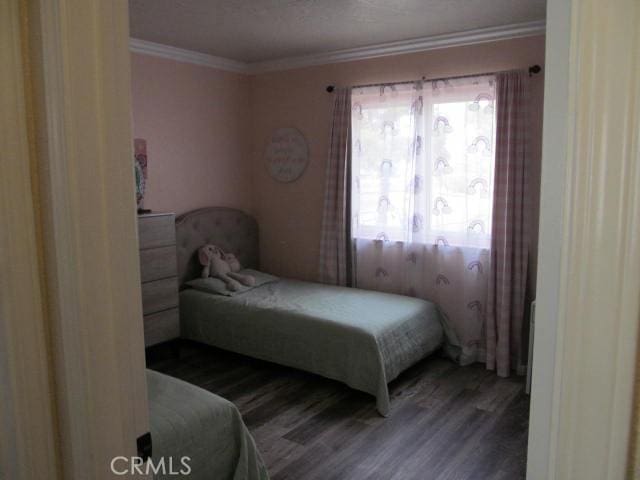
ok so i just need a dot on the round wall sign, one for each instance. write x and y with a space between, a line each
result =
287 155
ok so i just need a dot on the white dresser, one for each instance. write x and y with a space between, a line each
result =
158 271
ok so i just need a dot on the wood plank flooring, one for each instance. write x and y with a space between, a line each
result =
447 422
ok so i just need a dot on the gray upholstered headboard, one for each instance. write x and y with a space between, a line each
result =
232 230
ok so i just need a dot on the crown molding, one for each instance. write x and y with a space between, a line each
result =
187 56
469 37
481 35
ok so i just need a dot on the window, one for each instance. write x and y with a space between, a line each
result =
423 160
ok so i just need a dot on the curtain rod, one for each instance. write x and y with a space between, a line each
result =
533 69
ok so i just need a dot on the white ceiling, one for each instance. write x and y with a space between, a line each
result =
260 30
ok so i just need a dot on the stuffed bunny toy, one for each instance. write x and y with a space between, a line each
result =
225 266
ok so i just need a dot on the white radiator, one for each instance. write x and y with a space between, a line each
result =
532 328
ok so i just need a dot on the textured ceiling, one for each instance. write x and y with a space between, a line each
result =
257 30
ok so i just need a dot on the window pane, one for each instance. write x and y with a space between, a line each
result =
461 189
423 159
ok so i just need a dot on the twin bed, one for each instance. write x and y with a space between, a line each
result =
364 339
361 338
195 429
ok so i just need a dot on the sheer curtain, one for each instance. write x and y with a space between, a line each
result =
422 183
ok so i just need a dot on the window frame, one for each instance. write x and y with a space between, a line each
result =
456 94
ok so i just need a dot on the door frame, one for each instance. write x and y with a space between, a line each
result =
78 106
86 317
28 423
586 333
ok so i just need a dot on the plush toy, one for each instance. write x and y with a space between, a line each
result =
233 262
225 266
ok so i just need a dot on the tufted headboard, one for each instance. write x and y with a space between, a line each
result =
232 230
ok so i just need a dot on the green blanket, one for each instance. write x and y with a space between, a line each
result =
362 338
187 421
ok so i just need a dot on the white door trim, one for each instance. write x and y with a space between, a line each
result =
541 446
81 73
27 404
589 272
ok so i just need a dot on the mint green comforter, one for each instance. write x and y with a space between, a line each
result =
362 338
187 421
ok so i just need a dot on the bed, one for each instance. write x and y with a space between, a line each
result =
362 338
187 421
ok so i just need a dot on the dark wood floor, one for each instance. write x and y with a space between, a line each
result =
447 422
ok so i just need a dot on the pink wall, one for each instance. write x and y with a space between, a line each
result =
290 214
195 121
207 129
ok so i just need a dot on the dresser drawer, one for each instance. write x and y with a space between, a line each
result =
161 326
159 295
156 230
157 263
